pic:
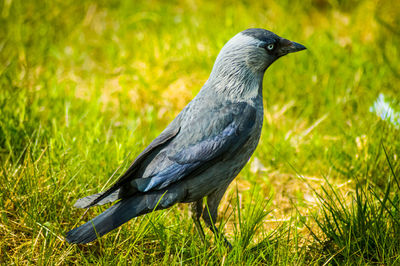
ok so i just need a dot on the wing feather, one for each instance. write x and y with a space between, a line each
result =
239 120
167 135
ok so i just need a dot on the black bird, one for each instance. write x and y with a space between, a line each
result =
203 149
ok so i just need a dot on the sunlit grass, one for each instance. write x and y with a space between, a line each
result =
84 87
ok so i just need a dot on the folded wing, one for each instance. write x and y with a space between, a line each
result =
180 151
222 132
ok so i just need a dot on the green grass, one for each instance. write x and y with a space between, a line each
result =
85 86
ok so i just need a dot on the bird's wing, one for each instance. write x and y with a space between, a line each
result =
216 133
167 135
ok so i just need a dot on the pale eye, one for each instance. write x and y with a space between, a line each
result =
270 46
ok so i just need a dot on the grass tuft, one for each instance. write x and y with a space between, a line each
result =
362 227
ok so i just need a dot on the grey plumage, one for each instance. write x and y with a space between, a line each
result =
204 147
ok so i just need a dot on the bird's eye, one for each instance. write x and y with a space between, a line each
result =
270 46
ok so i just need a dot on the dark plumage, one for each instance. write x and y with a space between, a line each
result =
204 147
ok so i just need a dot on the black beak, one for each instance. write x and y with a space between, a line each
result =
290 47
295 47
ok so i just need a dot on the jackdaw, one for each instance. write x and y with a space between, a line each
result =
203 149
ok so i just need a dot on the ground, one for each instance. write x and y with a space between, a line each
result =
85 86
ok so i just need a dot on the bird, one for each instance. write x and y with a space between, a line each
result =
203 149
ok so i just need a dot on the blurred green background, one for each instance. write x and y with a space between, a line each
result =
85 86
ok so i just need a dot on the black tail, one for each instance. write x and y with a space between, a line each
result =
120 213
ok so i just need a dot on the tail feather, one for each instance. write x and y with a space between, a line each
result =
120 213
86 202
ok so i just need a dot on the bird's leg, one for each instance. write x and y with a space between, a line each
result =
209 220
210 213
197 208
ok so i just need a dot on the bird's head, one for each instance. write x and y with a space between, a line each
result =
257 49
246 56
263 47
